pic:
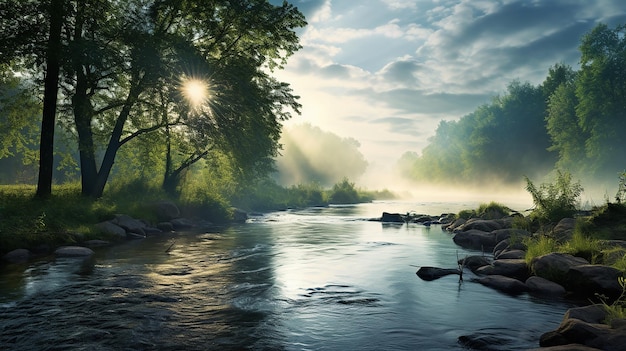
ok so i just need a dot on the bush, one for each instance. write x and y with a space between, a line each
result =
556 201
493 210
344 192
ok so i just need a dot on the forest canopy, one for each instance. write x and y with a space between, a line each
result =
111 77
574 121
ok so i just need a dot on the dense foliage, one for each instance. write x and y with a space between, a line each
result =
557 200
573 121
122 65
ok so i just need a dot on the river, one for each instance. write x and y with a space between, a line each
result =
313 279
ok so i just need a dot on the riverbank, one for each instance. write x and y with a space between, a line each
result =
554 261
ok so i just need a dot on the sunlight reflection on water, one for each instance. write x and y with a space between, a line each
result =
319 279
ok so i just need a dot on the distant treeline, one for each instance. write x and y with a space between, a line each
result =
574 121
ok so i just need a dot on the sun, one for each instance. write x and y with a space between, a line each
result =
196 91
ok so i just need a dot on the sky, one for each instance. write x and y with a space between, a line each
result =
386 72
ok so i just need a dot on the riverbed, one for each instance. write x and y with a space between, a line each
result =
313 279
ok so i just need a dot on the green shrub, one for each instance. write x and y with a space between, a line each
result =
555 201
344 192
538 246
466 214
493 210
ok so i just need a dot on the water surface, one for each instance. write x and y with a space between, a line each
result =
314 279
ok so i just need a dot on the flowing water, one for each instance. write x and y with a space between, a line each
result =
314 279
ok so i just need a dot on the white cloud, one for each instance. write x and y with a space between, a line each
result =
401 4
324 13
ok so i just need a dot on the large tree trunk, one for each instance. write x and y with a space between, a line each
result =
83 111
51 88
114 143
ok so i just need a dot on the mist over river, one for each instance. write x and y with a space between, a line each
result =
312 279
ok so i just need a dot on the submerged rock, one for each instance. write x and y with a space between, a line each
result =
503 284
432 273
542 286
17 256
73 251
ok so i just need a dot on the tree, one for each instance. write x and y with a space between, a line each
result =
601 93
116 57
51 88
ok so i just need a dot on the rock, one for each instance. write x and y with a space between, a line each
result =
112 229
564 229
392 218
590 279
503 284
432 273
574 331
166 210
130 224
506 244
474 262
506 233
583 325
151 230
590 314
485 225
455 224
512 268
182 223
17 256
73 251
568 347
511 254
239 216
475 239
542 286
554 266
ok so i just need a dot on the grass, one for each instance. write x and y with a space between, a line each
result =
67 217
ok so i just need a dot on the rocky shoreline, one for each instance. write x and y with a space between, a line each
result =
556 275
123 227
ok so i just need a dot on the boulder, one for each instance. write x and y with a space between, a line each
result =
432 273
112 229
506 244
591 279
130 224
542 286
485 225
239 216
512 268
511 254
474 262
583 326
568 347
475 239
392 218
506 233
73 251
564 229
590 314
166 210
454 224
503 284
17 256
555 264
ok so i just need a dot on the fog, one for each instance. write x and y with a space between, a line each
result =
312 155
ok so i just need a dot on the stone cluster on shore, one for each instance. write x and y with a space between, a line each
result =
123 227
502 266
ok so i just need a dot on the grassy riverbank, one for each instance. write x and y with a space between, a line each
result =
67 217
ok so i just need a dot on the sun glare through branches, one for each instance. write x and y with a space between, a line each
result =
196 91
